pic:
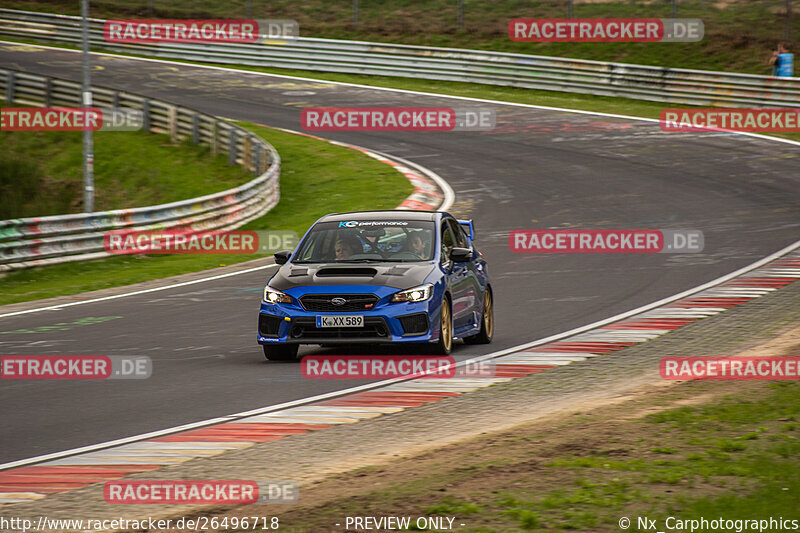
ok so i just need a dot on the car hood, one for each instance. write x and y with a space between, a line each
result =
397 275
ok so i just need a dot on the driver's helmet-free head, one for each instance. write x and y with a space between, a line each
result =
346 246
416 243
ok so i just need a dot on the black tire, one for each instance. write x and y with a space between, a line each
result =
484 336
280 352
445 342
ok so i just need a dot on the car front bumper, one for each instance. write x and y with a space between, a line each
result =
405 322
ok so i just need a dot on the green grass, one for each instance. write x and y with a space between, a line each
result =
738 35
41 172
317 178
712 445
734 457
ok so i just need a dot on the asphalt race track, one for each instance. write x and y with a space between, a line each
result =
538 169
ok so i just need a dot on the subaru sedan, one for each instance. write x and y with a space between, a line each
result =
400 277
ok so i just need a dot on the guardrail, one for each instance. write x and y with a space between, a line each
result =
660 84
29 242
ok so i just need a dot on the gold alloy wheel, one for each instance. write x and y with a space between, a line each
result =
488 315
446 333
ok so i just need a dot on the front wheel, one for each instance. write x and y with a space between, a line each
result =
484 336
445 343
280 352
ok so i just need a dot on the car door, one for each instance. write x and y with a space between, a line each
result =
469 278
458 278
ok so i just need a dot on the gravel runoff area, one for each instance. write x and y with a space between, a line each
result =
310 457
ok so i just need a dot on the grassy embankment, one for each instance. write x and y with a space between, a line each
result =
706 449
739 34
141 169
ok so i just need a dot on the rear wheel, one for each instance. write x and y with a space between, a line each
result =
445 343
484 336
280 352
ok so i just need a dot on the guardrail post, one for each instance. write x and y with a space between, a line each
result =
247 152
232 147
195 128
146 116
257 160
214 139
48 92
172 123
115 102
10 86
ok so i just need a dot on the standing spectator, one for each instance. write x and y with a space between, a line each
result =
782 61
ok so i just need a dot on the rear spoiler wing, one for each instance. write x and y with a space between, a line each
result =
468 227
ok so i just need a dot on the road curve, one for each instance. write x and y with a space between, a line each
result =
539 168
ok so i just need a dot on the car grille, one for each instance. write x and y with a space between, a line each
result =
416 324
269 325
354 302
306 328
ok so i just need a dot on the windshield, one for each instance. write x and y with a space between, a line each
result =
367 241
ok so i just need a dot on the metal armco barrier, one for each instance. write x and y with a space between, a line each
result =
29 242
676 86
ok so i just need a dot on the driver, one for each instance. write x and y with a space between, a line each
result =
346 246
416 244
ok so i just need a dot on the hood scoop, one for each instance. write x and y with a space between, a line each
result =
397 271
346 272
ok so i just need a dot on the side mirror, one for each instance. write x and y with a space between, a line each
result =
282 257
461 255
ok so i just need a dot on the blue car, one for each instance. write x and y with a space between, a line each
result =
410 277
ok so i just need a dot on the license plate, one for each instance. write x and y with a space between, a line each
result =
340 321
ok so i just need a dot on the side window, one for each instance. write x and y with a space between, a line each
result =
461 238
447 243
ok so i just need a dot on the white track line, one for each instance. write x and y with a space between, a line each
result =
390 89
134 293
370 386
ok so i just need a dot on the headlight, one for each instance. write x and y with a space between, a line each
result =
273 296
417 294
